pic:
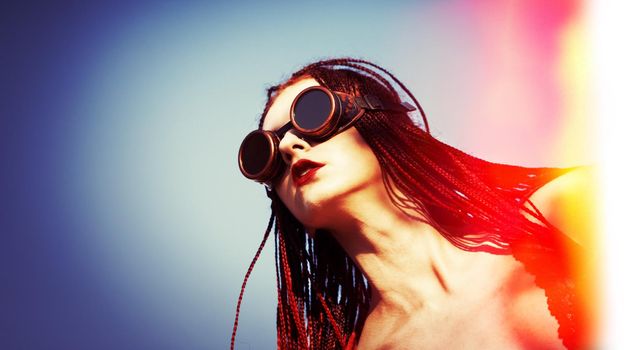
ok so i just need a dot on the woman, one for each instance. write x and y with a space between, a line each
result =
388 238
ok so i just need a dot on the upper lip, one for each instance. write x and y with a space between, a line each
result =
301 166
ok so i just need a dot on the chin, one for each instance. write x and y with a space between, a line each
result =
317 205
312 212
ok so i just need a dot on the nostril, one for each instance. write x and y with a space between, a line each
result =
297 146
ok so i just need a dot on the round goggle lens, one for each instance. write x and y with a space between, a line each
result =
255 153
312 109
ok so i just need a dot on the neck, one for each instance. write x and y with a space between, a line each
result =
407 262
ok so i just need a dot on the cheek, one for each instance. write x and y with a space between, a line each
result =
345 175
358 174
351 168
356 164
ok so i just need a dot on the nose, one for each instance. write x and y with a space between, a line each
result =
291 145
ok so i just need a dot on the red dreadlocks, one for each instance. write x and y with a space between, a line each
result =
477 205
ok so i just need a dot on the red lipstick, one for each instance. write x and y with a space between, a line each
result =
303 171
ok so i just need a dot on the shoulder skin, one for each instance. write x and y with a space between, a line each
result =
569 203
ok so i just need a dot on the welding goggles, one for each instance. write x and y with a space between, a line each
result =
316 114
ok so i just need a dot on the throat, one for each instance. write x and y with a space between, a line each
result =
408 263
407 272
424 272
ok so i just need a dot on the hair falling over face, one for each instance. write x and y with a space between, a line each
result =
477 205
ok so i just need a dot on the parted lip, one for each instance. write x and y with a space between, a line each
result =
303 170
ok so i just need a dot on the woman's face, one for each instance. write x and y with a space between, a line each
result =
341 171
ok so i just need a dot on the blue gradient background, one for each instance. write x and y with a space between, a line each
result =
125 223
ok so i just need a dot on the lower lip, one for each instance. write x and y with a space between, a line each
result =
306 178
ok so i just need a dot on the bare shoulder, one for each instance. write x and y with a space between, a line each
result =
569 203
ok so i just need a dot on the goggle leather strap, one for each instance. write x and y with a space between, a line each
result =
408 107
363 102
373 102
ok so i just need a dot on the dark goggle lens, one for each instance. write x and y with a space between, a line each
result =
255 153
312 109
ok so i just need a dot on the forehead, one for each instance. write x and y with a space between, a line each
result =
279 113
